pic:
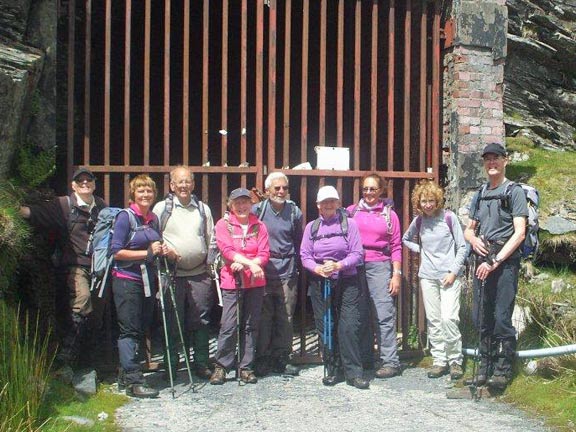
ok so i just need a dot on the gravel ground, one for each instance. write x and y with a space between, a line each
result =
411 402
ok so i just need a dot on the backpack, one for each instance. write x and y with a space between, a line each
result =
385 213
343 227
531 243
263 206
102 258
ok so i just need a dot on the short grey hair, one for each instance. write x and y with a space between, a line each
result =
274 176
181 167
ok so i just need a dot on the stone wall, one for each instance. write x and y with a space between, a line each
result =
473 92
27 76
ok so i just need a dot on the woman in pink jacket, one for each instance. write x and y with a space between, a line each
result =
381 239
243 242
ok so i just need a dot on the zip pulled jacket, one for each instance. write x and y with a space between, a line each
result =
231 239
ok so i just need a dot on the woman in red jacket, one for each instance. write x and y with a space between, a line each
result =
243 242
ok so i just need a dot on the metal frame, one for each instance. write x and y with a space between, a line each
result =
157 81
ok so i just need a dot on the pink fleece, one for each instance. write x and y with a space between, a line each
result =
255 247
374 233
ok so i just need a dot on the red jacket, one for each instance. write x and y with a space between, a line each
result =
254 244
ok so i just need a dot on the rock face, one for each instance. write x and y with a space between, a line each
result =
540 72
27 76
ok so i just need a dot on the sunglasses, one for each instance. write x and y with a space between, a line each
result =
278 188
369 189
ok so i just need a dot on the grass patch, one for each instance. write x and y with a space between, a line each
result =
555 399
62 401
552 173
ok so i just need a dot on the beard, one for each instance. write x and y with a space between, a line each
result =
278 200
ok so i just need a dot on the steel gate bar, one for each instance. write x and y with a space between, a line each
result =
391 84
340 82
287 77
423 84
436 90
166 110
127 105
107 55
205 92
259 89
243 82
87 75
322 77
374 87
70 86
147 22
272 34
224 103
186 85
357 91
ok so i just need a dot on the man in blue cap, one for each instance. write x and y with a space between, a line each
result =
496 231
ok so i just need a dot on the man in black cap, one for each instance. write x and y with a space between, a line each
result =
73 218
496 231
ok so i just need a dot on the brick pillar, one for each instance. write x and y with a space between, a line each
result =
473 91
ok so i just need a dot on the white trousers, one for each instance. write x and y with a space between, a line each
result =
442 305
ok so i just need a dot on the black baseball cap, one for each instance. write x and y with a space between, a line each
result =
494 148
81 171
238 193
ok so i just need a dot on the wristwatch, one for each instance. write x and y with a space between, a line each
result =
497 260
397 272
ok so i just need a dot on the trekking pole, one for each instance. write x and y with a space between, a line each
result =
478 359
165 325
327 333
171 287
238 281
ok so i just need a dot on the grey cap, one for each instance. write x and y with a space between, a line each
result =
494 148
81 171
238 193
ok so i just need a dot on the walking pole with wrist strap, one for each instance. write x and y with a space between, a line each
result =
476 396
165 324
327 337
171 277
238 282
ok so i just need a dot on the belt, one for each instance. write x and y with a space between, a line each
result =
282 256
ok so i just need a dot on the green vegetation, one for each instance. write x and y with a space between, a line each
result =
24 365
35 166
61 401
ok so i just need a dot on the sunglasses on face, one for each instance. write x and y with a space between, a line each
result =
84 180
278 188
370 189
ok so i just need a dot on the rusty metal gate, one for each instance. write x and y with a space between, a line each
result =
238 88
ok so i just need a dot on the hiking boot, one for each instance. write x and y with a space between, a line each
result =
141 391
262 367
247 376
332 380
478 381
498 382
437 371
456 371
359 383
387 372
291 370
219 376
202 372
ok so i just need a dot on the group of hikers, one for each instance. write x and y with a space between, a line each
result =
352 256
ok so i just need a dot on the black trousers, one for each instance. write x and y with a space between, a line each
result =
346 301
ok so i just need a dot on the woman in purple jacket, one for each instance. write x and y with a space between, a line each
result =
135 244
379 228
331 251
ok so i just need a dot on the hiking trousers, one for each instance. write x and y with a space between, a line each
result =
251 305
346 298
276 332
442 306
135 313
